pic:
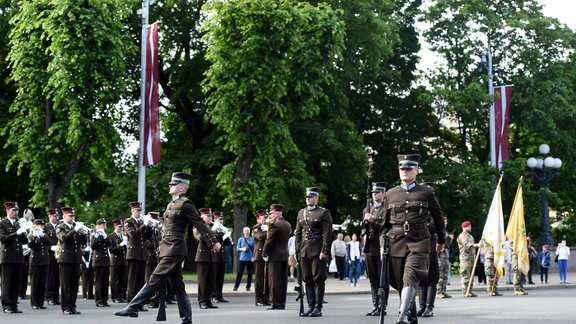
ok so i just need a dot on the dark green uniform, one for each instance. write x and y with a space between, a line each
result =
12 261
371 234
261 288
276 250
69 261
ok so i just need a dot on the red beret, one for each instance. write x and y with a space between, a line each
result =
465 223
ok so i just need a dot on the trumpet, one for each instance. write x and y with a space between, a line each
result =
342 227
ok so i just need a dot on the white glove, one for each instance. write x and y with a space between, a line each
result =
87 249
265 258
215 227
21 230
54 248
102 232
78 227
264 228
152 223
123 243
87 264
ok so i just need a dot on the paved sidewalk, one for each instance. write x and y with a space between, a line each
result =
334 286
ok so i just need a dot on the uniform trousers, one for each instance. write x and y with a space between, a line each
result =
261 290
38 275
278 279
314 270
69 282
118 278
10 285
373 265
101 284
206 279
53 280
219 279
407 271
136 273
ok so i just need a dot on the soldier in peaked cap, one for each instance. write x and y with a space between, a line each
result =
408 207
219 258
118 266
138 236
12 237
373 220
53 276
100 244
179 214
259 232
313 240
275 252
206 267
39 245
152 255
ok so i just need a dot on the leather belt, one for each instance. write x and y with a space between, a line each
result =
407 227
172 233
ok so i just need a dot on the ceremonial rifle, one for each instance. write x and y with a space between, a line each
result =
300 290
383 285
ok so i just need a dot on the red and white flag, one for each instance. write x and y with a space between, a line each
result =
151 104
502 98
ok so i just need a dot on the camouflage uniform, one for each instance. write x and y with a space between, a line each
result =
518 285
490 270
467 252
443 268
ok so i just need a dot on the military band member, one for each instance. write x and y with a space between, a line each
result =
71 237
87 271
53 276
313 240
373 220
12 237
205 266
39 245
138 234
100 243
118 263
444 266
179 214
219 258
407 210
259 232
275 253
467 249
152 256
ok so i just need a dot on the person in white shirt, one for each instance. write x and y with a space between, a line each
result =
353 258
563 252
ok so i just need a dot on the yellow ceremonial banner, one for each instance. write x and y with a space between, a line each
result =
493 232
516 231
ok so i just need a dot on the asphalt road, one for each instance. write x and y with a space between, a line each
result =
540 306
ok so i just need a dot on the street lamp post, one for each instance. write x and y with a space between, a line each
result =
544 170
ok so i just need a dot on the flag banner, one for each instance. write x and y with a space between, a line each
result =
493 232
516 231
502 98
151 125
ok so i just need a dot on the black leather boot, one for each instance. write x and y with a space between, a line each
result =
311 298
184 309
375 302
406 303
137 302
429 312
317 312
422 292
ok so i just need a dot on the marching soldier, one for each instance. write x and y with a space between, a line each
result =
138 233
467 249
444 266
205 267
259 232
53 276
12 237
101 263
179 214
373 220
118 266
71 237
39 245
275 253
407 210
219 258
313 240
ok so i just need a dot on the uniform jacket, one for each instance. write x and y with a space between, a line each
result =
138 234
276 245
313 232
259 239
203 253
71 243
50 232
218 256
412 207
153 245
466 246
178 215
100 255
371 230
39 250
11 243
117 252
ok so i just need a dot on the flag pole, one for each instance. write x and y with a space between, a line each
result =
141 168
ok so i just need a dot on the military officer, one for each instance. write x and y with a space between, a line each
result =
53 276
12 237
205 265
118 264
467 249
444 266
259 232
373 220
407 208
275 253
138 234
179 214
72 237
313 240
219 258
39 245
100 243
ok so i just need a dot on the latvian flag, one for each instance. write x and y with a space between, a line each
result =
502 96
151 103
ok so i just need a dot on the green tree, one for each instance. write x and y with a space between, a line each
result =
67 59
271 61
